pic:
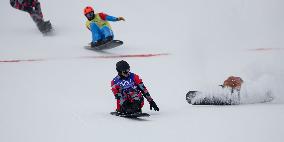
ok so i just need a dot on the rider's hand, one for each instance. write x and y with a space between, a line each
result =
120 18
153 105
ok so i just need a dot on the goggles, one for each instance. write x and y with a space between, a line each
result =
126 72
90 15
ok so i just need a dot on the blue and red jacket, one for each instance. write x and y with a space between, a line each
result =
107 17
131 85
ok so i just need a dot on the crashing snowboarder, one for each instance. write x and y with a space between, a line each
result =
232 84
98 24
129 90
34 9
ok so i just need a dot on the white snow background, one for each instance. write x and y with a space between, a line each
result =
66 97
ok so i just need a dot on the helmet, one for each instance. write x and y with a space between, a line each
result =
122 66
88 9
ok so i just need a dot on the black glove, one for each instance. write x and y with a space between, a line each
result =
118 96
153 105
120 18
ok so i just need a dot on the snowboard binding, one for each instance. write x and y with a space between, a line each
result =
129 107
102 45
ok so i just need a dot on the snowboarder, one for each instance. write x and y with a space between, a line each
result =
129 90
34 9
98 24
232 83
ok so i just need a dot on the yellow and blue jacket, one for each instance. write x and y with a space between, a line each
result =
101 20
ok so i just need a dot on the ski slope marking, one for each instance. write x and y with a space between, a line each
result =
87 57
19 60
266 49
126 56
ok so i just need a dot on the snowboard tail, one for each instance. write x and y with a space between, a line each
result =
190 95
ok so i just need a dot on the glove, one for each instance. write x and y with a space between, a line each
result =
118 96
153 105
120 18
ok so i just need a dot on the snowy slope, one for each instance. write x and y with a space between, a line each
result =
66 96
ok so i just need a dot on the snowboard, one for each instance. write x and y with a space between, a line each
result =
132 115
46 28
215 100
108 45
210 100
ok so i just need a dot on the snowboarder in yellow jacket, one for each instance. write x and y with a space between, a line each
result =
98 24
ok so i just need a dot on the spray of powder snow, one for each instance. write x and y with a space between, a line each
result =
252 92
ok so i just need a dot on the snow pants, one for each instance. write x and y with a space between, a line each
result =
120 103
100 33
33 8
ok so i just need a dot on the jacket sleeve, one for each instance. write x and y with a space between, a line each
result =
107 17
115 89
142 87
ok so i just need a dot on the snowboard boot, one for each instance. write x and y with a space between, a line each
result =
108 39
97 43
139 111
120 112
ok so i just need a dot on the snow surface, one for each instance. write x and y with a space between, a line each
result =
66 97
